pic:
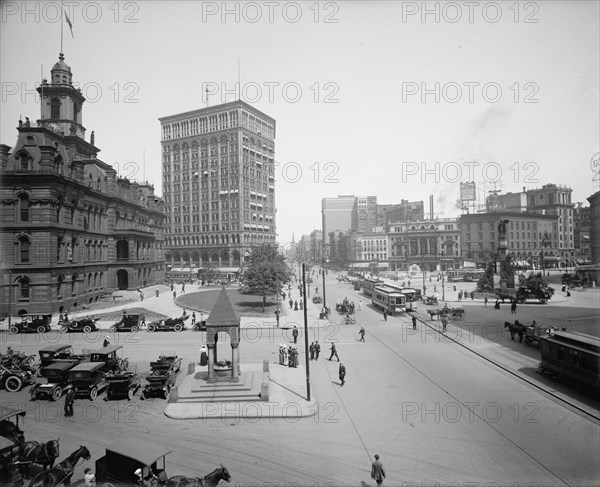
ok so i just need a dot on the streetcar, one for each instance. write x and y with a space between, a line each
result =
465 275
389 298
368 284
573 357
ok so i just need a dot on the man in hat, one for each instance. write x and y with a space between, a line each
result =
377 472
69 401
106 341
342 373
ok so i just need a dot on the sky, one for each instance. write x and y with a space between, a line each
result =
395 99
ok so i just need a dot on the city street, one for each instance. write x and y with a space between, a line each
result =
434 411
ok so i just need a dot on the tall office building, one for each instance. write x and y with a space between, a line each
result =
366 207
218 185
339 214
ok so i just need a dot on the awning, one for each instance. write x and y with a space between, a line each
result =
360 265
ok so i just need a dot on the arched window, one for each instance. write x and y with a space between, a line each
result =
24 161
55 108
24 283
24 250
24 208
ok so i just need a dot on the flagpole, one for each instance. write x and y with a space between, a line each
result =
62 21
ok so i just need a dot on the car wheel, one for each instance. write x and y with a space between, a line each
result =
166 394
29 378
57 393
41 329
178 328
14 330
151 328
93 394
130 394
87 329
135 328
64 329
13 383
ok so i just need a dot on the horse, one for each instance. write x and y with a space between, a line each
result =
43 454
10 430
210 480
517 329
62 472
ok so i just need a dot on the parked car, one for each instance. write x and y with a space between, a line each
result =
57 378
112 359
85 325
88 379
123 385
13 379
17 359
170 324
61 353
131 322
32 324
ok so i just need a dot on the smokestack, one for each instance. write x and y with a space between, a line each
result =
431 207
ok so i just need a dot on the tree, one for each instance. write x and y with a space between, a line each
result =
266 271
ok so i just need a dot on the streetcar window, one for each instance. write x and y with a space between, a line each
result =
561 353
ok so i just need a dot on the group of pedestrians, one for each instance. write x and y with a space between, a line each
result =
314 350
288 355
464 294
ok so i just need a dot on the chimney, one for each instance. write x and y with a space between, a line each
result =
431 207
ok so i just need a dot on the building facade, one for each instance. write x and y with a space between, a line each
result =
218 185
426 243
553 199
71 229
582 222
404 211
339 214
366 213
532 238
595 227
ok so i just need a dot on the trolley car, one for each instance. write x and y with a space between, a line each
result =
389 298
368 284
573 357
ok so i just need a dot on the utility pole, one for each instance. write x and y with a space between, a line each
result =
306 336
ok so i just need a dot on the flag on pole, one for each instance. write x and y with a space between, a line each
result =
70 24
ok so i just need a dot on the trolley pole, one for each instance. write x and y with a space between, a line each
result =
306 336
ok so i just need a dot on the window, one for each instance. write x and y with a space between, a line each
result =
24 161
55 108
23 250
24 289
24 208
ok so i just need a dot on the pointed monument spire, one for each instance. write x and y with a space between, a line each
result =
223 313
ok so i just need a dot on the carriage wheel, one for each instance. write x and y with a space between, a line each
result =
41 329
129 394
57 393
135 328
178 328
13 383
14 330
151 328
87 329
93 393
63 329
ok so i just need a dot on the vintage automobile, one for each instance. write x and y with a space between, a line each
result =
170 324
57 378
32 324
88 379
123 385
199 326
129 322
317 299
430 300
542 295
163 374
112 359
61 353
13 379
126 456
85 325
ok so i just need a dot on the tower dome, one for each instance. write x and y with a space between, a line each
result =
61 72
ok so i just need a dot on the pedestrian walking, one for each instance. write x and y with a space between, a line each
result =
333 352
184 312
157 293
513 307
459 294
454 288
497 304
69 400
277 317
141 295
360 305
485 301
362 333
311 349
295 334
182 288
174 294
193 317
377 471
291 301
106 342
283 295
295 305
301 305
384 315
414 322
89 478
317 350
342 373
203 356
472 295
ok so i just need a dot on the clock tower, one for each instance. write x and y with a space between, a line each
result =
61 101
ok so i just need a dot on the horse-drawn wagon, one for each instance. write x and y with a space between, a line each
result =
534 332
446 312
344 306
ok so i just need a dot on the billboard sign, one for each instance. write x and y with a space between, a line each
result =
468 191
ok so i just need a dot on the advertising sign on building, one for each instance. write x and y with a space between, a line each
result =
468 191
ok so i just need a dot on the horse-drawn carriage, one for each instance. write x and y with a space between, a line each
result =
344 306
534 332
85 325
170 324
123 385
32 324
163 374
446 312
317 299
133 462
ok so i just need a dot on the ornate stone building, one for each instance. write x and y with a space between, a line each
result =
71 229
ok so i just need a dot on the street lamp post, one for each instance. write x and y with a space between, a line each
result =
442 269
323 267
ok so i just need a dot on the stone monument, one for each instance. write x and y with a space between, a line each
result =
507 276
